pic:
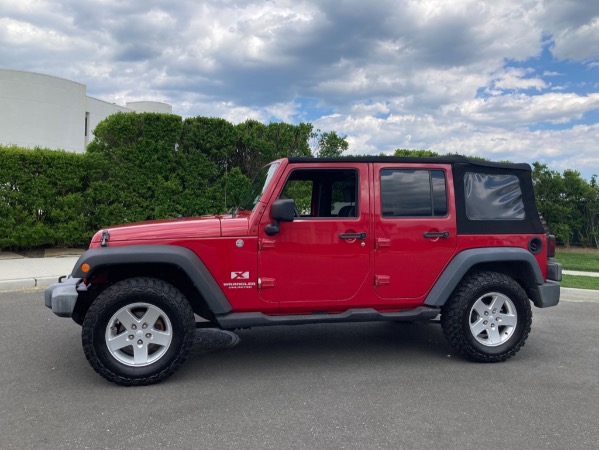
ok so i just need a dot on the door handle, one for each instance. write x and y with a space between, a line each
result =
436 234
361 235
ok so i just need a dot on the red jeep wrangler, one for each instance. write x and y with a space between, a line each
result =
322 240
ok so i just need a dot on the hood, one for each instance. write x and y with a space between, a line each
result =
173 229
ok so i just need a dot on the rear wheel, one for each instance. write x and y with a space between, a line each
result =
488 318
138 331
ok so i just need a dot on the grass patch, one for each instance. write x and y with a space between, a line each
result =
587 261
580 282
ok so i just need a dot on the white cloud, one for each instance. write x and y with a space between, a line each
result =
581 43
282 111
515 110
391 73
574 148
515 79
22 33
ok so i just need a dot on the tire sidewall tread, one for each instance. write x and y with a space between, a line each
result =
455 316
147 290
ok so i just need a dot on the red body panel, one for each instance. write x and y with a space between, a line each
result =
160 231
406 263
307 267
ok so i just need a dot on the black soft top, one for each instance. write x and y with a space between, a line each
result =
450 159
494 192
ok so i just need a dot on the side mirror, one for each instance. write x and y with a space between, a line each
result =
282 210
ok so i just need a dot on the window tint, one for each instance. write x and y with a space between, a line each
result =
301 192
493 197
323 192
413 193
343 198
439 193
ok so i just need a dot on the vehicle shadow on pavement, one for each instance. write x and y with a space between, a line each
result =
323 344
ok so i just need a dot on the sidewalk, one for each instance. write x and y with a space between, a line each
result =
583 274
18 272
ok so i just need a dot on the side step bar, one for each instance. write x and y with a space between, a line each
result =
250 319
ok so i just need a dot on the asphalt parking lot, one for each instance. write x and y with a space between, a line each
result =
373 385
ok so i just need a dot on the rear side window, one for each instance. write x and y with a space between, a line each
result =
413 193
493 197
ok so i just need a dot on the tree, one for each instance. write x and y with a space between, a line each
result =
136 160
569 204
328 144
415 153
202 162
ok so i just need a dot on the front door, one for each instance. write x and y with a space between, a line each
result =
322 256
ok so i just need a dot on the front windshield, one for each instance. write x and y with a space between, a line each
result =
259 185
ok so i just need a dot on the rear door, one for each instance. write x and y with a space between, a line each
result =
415 228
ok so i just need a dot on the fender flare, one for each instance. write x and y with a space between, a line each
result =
177 256
465 260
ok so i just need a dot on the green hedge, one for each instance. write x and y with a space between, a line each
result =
138 167
42 198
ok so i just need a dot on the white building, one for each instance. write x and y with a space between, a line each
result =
44 111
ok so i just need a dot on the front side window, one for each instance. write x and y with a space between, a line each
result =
493 197
301 192
323 193
413 193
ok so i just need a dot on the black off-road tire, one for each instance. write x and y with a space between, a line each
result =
156 295
458 315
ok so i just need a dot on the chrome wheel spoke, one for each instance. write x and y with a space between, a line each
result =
151 316
497 302
161 338
478 327
486 319
119 342
126 318
480 307
140 354
494 336
132 345
508 320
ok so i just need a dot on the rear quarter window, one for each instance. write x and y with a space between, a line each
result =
493 197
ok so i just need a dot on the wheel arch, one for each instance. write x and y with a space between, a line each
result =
176 265
514 262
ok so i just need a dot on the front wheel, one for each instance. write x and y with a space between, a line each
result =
488 317
138 331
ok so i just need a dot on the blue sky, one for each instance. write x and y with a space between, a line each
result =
515 80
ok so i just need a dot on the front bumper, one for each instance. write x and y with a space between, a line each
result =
62 297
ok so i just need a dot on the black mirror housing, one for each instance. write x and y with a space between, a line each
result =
283 210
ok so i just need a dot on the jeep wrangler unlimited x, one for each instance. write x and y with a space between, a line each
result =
322 240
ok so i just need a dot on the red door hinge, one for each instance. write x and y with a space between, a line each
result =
383 242
382 280
267 243
264 283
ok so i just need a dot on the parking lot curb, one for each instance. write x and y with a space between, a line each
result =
26 283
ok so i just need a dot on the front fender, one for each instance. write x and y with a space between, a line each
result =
180 257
